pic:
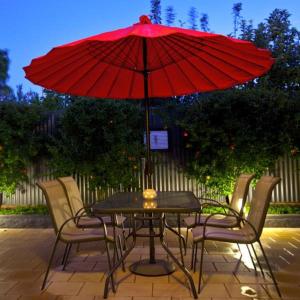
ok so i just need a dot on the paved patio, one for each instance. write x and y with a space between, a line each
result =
24 254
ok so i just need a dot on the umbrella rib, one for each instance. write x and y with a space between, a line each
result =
193 66
218 58
72 70
206 43
213 66
116 57
134 73
164 70
177 65
75 57
100 75
133 41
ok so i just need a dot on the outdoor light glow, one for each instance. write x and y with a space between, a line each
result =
149 204
149 194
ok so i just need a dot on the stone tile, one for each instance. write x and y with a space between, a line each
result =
170 289
92 288
151 298
65 288
26 288
86 277
21 275
75 297
132 289
43 296
287 291
230 267
149 279
57 276
5 286
10 297
220 278
214 290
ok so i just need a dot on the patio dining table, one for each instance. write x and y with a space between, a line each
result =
133 203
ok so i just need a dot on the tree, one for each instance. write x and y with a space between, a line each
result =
282 40
236 11
193 16
101 140
5 90
204 22
170 15
247 30
155 15
236 131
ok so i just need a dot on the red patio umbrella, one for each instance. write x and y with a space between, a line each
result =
148 60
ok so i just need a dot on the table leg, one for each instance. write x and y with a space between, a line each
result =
179 238
178 263
152 266
151 241
119 262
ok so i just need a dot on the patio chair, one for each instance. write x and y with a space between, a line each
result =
78 207
236 206
65 224
251 228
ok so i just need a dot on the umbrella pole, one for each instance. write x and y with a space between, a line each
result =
148 166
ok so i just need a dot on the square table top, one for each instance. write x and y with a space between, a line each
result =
133 202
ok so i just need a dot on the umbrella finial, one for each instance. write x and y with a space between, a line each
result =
145 20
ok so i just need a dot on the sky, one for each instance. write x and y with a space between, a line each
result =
30 28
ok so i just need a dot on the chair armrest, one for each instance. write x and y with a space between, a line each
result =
74 219
239 219
221 206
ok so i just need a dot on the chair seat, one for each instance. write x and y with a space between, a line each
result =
75 234
241 235
94 222
217 221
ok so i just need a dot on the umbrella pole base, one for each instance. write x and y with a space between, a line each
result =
145 268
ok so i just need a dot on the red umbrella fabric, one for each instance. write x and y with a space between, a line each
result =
177 61
148 60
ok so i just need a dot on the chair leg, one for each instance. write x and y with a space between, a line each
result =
258 261
67 256
195 257
186 236
50 262
192 258
110 267
201 266
120 248
250 254
65 253
269 267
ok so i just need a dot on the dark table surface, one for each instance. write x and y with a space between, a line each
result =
133 202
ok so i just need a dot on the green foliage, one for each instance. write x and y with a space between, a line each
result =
25 210
5 90
236 131
193 16
101 139
273 209
19 144
155 12
170 15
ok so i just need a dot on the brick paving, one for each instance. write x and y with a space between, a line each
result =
24 255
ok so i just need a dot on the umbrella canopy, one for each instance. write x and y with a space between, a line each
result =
148 60
178 61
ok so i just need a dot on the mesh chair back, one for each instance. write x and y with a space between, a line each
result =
240 193
72 192
260 202
57 203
